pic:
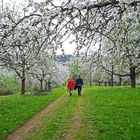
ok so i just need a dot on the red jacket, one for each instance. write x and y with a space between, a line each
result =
70 84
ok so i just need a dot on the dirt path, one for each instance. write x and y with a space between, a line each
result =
34 122
75 123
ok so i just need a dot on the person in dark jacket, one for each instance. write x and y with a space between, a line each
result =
79 84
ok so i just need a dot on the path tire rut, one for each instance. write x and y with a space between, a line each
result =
34 122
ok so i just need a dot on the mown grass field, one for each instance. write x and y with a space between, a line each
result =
106 114
15 110
111 114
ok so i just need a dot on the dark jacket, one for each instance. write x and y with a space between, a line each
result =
79 82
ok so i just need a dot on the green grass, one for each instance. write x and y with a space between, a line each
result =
111 114
107 114
16 110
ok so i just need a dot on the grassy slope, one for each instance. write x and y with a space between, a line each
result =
16 109
111 114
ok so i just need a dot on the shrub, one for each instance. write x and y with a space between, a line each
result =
8 85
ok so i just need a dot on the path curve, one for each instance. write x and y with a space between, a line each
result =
34 122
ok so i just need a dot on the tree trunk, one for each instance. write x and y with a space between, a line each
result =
49 86
105 83
99 83
23 86
112 74
90 78
133 76
23 78
46 84
90 83
120 81
41 85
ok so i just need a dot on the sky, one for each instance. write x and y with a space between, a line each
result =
68 48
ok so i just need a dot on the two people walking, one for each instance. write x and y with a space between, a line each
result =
73 85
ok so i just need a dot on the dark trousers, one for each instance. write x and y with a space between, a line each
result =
70 91
79 90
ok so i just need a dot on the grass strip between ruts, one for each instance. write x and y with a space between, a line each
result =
54 123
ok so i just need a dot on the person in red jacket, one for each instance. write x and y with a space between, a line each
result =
70 85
